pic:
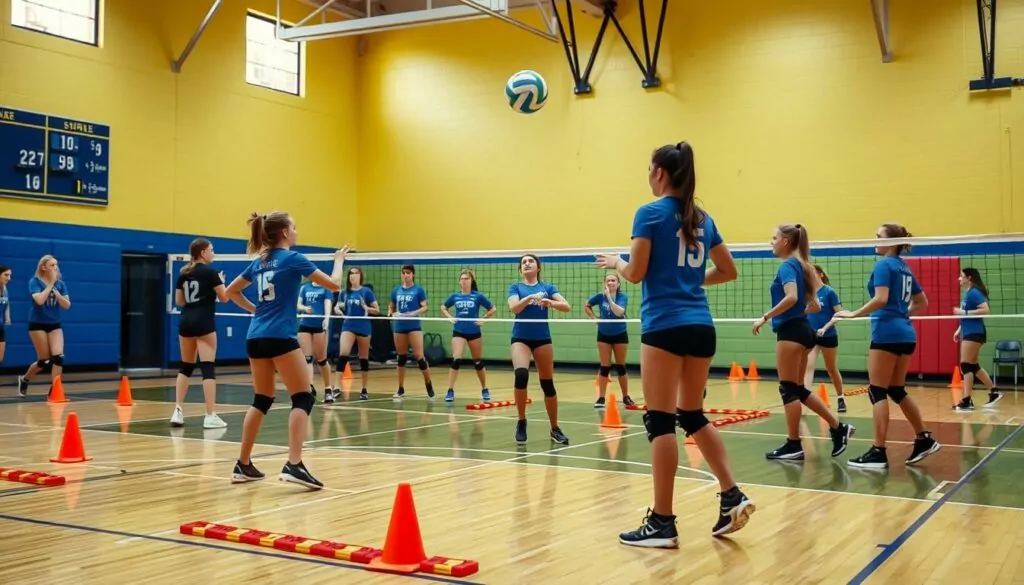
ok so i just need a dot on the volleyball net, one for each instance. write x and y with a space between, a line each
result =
936 262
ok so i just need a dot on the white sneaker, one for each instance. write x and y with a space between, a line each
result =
212 421
177 417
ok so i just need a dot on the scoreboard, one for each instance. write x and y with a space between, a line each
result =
47 158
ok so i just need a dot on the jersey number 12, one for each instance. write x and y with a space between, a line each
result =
191 291
687 257
266 288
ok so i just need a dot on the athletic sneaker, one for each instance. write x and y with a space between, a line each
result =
246 472
599 403
966 404
22 386
521 432
177 417
655 531
628 400
212 421
450 395
430 391
840 404
733 513
298 473
875 458
840 436
559 437
924 445
485 395
328 396
994 396
792 450
364 395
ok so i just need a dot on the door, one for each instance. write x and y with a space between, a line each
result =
143 299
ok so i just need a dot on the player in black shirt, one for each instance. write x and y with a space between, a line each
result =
197 292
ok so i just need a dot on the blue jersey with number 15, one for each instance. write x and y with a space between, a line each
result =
891 323
277 292
673 288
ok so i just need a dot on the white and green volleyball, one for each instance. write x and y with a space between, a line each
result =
527 92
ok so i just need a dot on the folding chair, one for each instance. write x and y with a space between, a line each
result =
1008 353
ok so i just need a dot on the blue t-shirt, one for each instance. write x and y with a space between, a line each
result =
5 303
352 304
606 313
277 292
828 298
48 312
407 300
891 323
313 296
467 306
789 271
531 331
973 299
673 289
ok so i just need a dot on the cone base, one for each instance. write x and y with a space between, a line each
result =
379 565
604 426
129 403
70 459
61 401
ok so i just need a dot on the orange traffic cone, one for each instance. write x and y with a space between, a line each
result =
752 372
57 393
735 373
958 380
72 449
823 394
347 375
124 393
403 549
612 420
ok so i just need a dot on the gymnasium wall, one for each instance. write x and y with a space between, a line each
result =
793 116
192 153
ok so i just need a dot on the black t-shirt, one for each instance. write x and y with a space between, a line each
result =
200 297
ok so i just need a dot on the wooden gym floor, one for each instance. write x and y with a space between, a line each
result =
528 514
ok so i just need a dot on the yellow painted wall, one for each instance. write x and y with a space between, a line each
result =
792 113
194 152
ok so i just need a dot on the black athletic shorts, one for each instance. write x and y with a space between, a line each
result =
699 341
798 330
190 328
44 327
311 329
899 349
3 335
829 342
977 338
270 347
467 336
613 339
533 344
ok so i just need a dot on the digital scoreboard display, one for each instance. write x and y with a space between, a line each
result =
48 158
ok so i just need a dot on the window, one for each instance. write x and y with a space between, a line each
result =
74 20
270 62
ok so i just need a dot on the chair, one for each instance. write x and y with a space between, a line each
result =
1008 353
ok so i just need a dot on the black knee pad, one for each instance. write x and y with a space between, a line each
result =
804 393
309 359
57 360
456 363
402 359
341 363
547 387
898 393
43 365
364 364
969 368
322 362
791 392
186 369
422 363
691 421
522 378
605 371
877 393
304 401
659 423
478 365
620 370
207 368
262 403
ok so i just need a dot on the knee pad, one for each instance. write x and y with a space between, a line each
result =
364 364
57 360
422 364
969 368
342 362
898 393
456 363
262 403
522 377
691 421
620 370
304 401
478 365
207 368
877 393
186 369
791 392
547 387
309 359
402 359
659 423
605 371
322 362
804 393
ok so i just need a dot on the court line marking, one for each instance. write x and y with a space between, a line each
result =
209 545
891 548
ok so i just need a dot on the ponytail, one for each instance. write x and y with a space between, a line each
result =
677 161
266 231
800 246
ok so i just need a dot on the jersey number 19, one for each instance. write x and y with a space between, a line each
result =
908 283
693 258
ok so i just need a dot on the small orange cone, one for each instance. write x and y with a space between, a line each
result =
958 380
72 449
57 394
612 419
823 394
403 549
752 372
735 373
347 375
124 393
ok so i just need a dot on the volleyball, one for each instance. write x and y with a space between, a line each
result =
527 92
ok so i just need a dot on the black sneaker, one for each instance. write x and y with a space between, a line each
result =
733 512
599 403
521 432
840 404
840 436
335 392
628 400
994 396
875 458
430 391
965 405
559 437
655 532
364 395
22 386
791 450
245 472
328 396
299 474
924 445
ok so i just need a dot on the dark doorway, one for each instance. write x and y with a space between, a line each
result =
143 300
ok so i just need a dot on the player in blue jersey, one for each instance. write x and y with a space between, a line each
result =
466 330
272 341
611 337
793 296
672 240
971 335
356 302
531 299
896 296
826 338
314 306
49 297
409 301
5 309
